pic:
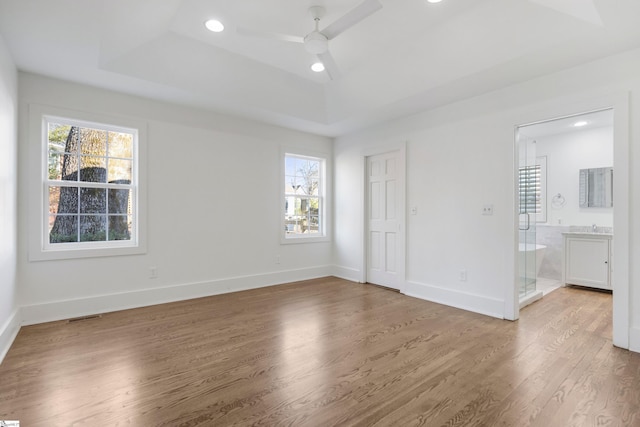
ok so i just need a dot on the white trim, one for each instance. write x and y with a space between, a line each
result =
347 273
9 332
511 309
401 148
530 299
464 300
37 197
621 223
59 310
634 339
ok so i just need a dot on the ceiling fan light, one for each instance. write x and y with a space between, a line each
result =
214 25
316 43
318 67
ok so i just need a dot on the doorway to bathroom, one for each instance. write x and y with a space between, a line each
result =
552 159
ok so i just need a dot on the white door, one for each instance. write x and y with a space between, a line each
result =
385 241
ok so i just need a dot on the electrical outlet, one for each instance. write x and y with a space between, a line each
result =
277 259
463 275
153 272
487 210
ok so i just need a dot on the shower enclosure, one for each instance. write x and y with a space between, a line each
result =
528 207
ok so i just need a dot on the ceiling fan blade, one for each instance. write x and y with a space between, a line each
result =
351 18
269 35
330 65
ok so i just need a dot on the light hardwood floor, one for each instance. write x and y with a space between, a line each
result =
321 353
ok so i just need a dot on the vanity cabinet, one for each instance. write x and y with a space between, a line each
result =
587 260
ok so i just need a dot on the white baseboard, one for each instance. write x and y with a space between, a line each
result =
347 273
59 310
476 303
634 339
9 332
530 299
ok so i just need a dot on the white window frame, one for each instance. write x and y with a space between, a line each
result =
40 249
324 185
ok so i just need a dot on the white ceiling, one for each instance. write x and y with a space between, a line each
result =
409 56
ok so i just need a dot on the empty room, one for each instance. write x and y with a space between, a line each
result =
319 212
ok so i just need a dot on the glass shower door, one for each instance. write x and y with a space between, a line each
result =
529 201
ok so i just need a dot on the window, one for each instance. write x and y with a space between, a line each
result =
304 197
90 189
532 189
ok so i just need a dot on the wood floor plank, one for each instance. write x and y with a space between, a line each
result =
325 352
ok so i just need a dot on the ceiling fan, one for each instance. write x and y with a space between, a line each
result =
317 41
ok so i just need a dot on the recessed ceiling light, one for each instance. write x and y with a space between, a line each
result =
580 124
434 1
214 25
318 67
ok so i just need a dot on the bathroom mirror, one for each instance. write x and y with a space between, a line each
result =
596 188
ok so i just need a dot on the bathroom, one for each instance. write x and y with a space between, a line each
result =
552 155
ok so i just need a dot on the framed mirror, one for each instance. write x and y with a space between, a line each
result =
596 188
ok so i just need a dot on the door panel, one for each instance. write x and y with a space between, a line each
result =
374 258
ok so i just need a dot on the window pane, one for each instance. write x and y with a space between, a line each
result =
120 145
63 200
314 206
93 169
93 228
63 228
308 186
288 185
120 227
315 223
55 166
120 171
302 215
93 142
119 201
93 200
69 167
314 187
296 185
313 169
54 199
289 165
57 137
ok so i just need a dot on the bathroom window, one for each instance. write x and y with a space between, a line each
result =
532 189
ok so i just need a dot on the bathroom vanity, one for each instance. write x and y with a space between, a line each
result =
587 259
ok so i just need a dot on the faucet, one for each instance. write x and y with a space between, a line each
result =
594 228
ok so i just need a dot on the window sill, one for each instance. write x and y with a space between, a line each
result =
303 239
78 253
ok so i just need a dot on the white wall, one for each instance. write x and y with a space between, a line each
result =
461 157
567 153
213 218
9 318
